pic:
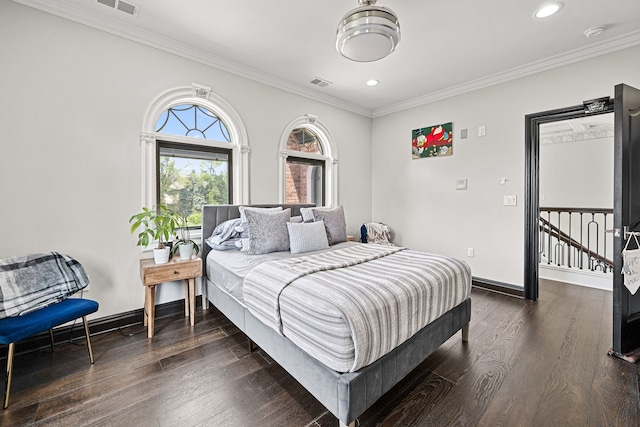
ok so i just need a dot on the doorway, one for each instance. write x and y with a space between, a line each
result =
576 201
534 126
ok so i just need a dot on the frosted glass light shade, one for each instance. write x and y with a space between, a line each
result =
368 33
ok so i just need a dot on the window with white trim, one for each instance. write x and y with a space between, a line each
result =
192 175
308 172
304 176
194 152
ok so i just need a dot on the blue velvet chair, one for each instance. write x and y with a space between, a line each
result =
16 328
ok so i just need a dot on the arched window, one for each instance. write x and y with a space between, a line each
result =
308 172
194 153
193 121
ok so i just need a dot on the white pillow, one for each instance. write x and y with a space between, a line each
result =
306 237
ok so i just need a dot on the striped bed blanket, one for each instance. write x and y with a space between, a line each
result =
351 306
34 281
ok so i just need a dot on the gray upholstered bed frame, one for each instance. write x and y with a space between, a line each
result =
345 395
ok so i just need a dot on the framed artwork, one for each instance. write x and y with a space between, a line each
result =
432 141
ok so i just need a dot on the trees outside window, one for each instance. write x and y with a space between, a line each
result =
190 175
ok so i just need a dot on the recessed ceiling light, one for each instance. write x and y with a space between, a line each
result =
372 82
548 10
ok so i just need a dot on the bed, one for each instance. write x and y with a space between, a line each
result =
345 393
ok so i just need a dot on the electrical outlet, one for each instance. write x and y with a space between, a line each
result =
482 130
461 184
470 252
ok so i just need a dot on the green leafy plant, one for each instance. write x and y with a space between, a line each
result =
185 236
154 224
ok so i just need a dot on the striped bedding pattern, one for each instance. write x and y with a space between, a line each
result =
349 307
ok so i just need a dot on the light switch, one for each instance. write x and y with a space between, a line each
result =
510 200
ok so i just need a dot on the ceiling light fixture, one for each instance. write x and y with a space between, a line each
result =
372 82
368 33
548 10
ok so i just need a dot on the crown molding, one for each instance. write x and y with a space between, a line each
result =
127 31
566 58
131 32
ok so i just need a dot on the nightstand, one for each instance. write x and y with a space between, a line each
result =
153 274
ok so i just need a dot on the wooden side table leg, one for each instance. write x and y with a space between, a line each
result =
192 301
145 313
186 298
151 309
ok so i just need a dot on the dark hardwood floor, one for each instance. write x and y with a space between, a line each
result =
526 363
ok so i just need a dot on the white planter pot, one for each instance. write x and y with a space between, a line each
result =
161 256
186 251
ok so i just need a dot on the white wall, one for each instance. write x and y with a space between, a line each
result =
418 197
577 174
72 102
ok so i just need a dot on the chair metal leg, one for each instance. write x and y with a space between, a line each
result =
86 331
7 388
53 348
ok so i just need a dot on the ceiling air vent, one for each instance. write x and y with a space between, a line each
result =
110 3
123 6
320 82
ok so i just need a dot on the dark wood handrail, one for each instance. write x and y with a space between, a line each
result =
547 227
579 210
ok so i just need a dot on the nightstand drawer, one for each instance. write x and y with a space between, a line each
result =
176 270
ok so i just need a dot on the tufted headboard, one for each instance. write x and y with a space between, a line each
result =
213 215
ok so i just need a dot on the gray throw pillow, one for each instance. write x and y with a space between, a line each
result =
268 231
307 214
244 209
334 223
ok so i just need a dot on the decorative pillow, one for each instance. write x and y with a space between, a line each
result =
306 237
243 244
244 209
307 214
268 231
242 230
297 219
334 223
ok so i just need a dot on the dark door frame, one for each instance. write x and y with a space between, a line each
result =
532 187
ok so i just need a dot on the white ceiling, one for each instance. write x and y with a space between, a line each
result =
448 46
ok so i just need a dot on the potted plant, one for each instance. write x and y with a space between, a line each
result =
184 244
157 224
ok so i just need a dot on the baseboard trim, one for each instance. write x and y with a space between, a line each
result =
498 287
96 327
134 317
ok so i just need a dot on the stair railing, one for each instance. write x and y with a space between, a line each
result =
576 238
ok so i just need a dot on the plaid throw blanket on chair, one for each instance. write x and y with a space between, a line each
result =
30 282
